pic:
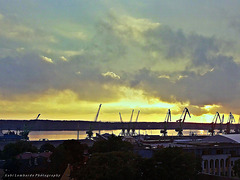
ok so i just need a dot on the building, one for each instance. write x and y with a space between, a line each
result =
218 154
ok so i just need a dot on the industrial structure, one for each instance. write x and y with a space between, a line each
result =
231 119
214 122
165 126
123 126
90 131
134 125
129 125
181 121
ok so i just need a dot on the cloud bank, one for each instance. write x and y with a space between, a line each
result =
118 51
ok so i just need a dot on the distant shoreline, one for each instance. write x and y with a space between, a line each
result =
70 125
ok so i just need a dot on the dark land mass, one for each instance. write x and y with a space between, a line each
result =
66 125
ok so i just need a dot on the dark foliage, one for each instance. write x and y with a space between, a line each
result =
13 149
47 147
171 164
112 159
110 165
69 152
113 143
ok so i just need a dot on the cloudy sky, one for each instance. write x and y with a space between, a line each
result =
63 58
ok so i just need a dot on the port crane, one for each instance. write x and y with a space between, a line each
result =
230 121
123 127
181 121
25 132
129 124
214 122
90 132
167 118
133 127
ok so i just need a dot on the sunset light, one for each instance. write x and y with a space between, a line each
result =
151 58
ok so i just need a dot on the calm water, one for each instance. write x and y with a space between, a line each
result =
64 135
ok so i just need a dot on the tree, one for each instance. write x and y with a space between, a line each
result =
171 164
47 147
110 165
113 143
69 152
10 152
13 149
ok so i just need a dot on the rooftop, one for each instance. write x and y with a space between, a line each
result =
224 138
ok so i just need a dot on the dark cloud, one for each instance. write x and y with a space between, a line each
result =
202 47
165 40
31 75
175 45
219 86
25 74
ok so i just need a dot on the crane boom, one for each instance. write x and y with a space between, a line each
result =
133 125
98 113
216 116
137 115
130 124
37 116
120 117
186 112
123 128
131 116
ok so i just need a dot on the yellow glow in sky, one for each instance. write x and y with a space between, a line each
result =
209 107
65 105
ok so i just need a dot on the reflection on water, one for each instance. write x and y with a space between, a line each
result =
64 135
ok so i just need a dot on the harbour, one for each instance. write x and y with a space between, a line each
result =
146 138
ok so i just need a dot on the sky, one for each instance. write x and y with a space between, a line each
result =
63 58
